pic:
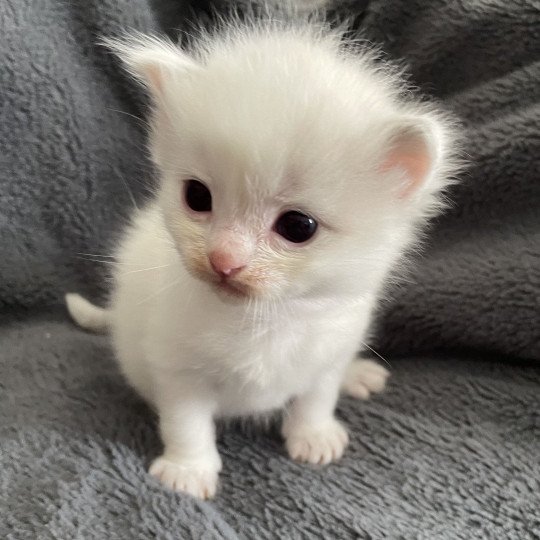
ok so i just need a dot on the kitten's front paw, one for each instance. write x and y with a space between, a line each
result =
318 446
195 478
363 378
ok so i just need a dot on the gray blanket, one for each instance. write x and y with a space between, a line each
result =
448 452
72 154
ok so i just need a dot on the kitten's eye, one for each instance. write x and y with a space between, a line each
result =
198 196
295 226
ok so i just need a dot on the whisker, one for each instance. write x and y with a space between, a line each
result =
95 255
100 261
145 269
105 261
111 263
376 353
160 291
128 189
247 311
141 120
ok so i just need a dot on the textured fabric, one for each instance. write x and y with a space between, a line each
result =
479 282
449 451
72 156
69 155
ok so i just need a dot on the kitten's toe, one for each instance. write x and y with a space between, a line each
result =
318 446
193 478
363 378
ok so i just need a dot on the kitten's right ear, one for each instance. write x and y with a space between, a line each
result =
151 60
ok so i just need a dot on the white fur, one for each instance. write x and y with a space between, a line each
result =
86 314
271 117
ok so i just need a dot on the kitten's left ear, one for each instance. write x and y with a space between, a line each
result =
416 145
152 61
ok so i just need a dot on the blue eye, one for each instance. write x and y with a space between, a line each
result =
295 226
198 196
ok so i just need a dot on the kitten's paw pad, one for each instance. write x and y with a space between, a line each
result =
318 446
192 478
363 378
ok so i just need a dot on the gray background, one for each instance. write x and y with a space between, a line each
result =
450 451
70 153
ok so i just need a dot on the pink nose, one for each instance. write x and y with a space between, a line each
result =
224 264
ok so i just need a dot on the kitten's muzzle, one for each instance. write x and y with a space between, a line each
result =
232 289
225 274
224 265
222 272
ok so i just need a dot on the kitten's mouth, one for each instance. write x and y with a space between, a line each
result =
231 289
224 287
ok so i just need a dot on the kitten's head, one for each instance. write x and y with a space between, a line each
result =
289 168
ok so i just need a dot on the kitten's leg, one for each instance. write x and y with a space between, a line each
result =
190 461
364 377
311 431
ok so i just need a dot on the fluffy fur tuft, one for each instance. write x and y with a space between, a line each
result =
87 315
220 314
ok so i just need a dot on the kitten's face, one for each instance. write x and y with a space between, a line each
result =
240 242
286 171
268 208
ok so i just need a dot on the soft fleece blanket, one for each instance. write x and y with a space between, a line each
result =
71 154
450 451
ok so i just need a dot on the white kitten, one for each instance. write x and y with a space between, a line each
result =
293 176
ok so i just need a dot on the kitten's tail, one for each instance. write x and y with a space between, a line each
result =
86 314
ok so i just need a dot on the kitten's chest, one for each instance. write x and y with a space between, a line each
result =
267 373
253 362
260 367
264 351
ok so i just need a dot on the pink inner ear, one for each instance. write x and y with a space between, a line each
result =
411 157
